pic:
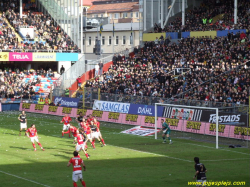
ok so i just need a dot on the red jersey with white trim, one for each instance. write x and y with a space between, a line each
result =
66 120
76 162
88 130
90 119
73 129
32 132
80 139
97 124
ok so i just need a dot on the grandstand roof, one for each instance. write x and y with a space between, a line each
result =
86 2
113 7
118 27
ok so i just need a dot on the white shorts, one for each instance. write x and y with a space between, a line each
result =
76 175
80 147
201 182
79 125
66 127
95 135
89 136
23 125
33 139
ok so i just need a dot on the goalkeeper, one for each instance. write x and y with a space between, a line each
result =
165 131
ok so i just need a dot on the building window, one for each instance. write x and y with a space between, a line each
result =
89 40
110 16
103 40
101 15
131 39
83 40
123 40
96 15
116 40
137 14
116 15
110 40
125 15
131 14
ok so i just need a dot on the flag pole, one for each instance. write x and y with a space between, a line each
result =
113 38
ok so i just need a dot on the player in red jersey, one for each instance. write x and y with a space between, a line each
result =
73 129
81 143
97 123
32 134
66 120
77 164
90 118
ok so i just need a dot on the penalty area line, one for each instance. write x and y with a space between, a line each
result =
24 178
151 153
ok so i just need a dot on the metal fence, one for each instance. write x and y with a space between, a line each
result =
92 94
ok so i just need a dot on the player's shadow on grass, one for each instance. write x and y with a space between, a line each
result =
23 148
13 134
62 156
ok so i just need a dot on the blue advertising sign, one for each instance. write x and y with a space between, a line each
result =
66 56
146 110
109 106
67 102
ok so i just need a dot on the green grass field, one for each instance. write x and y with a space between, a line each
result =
126 161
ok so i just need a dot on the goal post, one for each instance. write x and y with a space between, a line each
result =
190 107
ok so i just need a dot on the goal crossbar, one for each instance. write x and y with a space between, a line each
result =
185 106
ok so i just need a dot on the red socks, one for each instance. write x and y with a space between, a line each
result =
34 145
87 156
93 144
40 144
93 140
83 184
68 132
103 141
74 183
62 133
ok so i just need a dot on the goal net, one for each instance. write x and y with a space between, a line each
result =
204 124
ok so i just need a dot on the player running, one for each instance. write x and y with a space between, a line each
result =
82 143
66 120
32 134
90 118
23 122
200 172
97 123
77 164
165 131
79 119
73 129
95 134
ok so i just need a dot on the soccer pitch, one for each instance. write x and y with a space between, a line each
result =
127 160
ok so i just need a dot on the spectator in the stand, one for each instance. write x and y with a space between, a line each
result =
114 59
96 69
79 82
62 69
27 36
100 67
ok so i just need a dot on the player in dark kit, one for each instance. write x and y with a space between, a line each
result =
23 122
79 119
200 173
95 134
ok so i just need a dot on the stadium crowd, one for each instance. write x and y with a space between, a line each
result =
13 84
47 35
202 69
211 15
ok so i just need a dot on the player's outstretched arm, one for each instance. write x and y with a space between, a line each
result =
84 167
69 163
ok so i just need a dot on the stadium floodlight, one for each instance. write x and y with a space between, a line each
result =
190 107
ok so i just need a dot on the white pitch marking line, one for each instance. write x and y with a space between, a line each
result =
219 149
152 153
23 178
226 159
